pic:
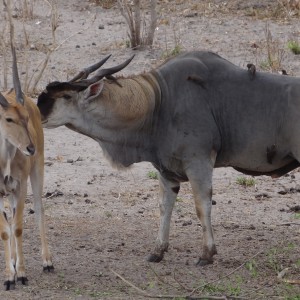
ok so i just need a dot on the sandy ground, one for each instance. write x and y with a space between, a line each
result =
103 222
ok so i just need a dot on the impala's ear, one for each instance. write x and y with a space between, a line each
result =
94 90
3 102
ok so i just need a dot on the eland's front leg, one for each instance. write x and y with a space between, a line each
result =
168 194
200 177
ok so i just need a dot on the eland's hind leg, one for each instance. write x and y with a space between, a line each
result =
200 177
168 193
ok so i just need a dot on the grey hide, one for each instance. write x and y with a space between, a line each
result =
207 113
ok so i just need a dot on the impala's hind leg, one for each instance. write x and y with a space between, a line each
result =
17 201
5 234
37 178
168 193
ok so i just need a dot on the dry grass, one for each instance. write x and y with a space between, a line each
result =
275 53
107 4
24 10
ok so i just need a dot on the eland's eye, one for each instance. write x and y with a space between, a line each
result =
9 120
67 97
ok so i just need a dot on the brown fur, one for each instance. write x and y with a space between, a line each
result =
132 100
15 168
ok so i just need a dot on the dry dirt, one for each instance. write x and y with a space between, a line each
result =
103 222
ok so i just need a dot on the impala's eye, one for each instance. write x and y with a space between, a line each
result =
67 97
9 120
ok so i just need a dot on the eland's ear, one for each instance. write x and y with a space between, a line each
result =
93 91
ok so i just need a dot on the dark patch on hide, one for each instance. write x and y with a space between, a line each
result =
198 80
45 104
176 189
47 98
170 175
271 151
7 180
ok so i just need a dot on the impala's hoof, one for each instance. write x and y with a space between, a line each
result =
9 285
48 269
204 262
155 258
23 280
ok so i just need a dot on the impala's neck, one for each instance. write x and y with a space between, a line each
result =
7 154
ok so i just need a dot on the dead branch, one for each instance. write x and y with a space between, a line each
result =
160 278
39 76
225 276
153 23
290 281
180 284
54 21
141 292
2 44
26 60
133 286
288 224
132 16
137 22
126 12
11 25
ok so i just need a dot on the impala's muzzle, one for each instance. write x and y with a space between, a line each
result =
30 150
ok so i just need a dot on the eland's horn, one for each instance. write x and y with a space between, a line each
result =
87 71
107 72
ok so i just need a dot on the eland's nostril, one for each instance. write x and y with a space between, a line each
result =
30 149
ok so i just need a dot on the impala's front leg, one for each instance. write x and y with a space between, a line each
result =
36 178
6 237
168 194
17 231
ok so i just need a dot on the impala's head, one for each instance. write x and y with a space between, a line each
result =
15 123
58 100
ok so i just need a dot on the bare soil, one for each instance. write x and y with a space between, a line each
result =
103 222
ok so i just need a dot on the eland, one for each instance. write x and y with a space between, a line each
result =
194 113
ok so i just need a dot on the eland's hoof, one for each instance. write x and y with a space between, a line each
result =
204 262
155 258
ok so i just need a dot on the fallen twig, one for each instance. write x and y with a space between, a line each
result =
180 284
290 281
288 224
140 291
225 276
133 286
